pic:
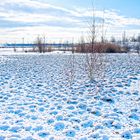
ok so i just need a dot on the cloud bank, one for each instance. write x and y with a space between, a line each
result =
30 18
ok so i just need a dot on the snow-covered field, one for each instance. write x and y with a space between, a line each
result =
37 102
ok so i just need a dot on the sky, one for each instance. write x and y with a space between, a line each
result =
67 20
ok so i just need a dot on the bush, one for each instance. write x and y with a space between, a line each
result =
49 49
99 48
112 48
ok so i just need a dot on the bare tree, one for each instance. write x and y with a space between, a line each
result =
82 45
40 44
125 42
15 47
133 39
94 60
44 44
72 46
23 44
113 40
103 28
138 45
124 39
69 69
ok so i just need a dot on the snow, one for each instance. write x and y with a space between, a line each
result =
37 101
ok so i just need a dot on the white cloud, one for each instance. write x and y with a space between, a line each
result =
42 18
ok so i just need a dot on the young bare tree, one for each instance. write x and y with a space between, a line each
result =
94 62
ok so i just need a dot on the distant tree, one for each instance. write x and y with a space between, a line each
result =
133 39
124 38
82 45
14 49
138 38
103 30
66 45
40 44
138 45
113 40
125 42
60 45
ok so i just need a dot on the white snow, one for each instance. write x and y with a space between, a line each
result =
37 101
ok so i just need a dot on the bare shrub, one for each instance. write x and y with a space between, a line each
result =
98 48
94 66
69 69
112 48
93 61
49 49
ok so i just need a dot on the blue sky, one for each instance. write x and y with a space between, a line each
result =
62 20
